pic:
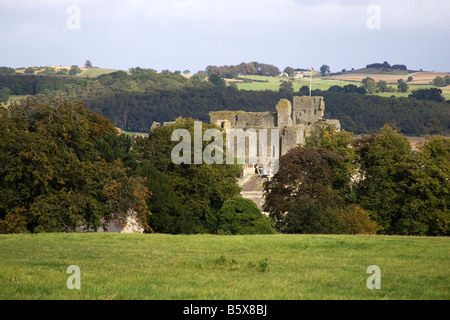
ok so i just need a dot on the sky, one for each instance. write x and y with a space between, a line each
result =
192 34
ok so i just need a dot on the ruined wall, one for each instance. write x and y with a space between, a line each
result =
242 119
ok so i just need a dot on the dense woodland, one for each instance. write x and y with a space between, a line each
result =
132 101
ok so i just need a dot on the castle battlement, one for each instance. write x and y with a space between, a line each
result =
295 121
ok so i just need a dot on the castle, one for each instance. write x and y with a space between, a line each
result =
294 122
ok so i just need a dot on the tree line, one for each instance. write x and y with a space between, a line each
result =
372 184
63 167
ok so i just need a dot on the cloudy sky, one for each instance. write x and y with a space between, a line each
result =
191 34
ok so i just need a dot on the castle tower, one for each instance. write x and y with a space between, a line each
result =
309 109
284 113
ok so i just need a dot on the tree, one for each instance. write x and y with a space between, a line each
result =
74 70
433 94
302 172
216 80
29 70
355 220
388 166
48 71
5 94
428 212
403 87
186 71
7 70
203 188
314 214
410 78
52 178
447 80
370 85
325 136
324 69
290 71
304 91
169 214
241 216
88 64
286 87
382 86
439 81
62 72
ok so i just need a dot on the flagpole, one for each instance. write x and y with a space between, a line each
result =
310 82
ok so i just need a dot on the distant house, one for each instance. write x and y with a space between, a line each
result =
298 75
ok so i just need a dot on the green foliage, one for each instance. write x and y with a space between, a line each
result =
388 165
382 86
324 135
314 214
433 94
5 94
286 87
74 70
403 87
113 147
304 91
439 81
48 71
202 188
169 214
242 216
324 69
62 72
7 70
216 80
290 71
370 85
367 113
29 70
406 192
52 178
251 68
355 220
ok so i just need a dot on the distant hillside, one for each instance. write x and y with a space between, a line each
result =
418 77
85 72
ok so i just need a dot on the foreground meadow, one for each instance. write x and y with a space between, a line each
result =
269 267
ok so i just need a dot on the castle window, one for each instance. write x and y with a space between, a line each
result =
315 112
222 125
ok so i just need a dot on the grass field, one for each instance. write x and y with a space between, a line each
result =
192 267
273 83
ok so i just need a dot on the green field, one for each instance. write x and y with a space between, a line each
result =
273 83
191 267
95 72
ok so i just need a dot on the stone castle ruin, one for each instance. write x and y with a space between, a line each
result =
294 122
